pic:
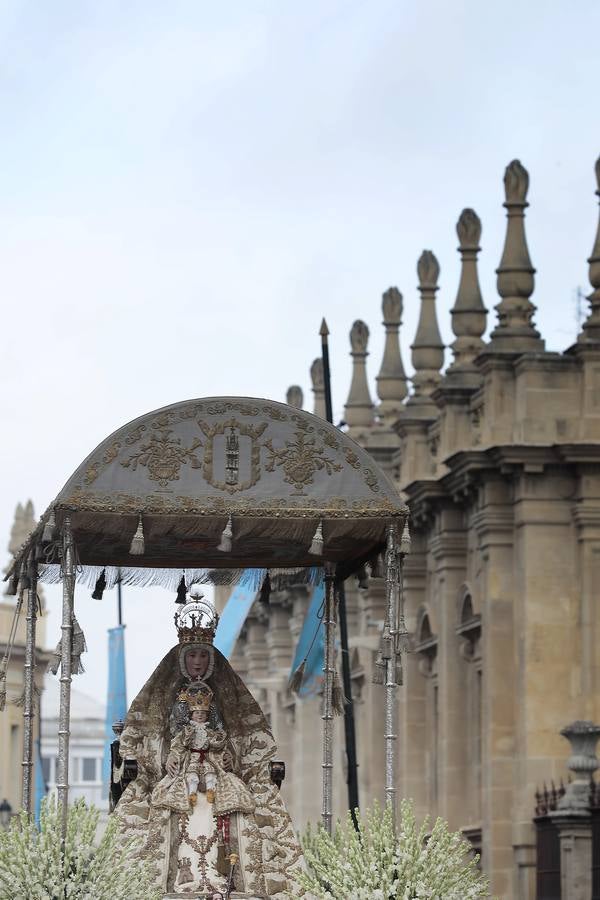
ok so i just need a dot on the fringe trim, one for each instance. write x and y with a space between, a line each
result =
169 578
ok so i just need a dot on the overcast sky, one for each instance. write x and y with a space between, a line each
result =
188 187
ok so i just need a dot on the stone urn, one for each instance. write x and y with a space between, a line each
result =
583 762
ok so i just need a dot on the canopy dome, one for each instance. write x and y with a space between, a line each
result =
186 468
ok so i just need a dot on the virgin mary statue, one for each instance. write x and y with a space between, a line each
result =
209 817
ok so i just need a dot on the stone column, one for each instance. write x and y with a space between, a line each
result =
391 381
492 520
572 816
447 546
358 411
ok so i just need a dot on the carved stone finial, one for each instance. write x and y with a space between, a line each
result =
591 327
427 349
516 182
428 270
23 524
469 313
359 406
515 330
391 381
294 396
318 388
359 336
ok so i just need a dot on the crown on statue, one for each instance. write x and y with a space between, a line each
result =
197 621
197 700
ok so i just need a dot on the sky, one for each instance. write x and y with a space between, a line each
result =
187 188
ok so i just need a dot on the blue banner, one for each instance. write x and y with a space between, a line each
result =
233 617
116 701
312 634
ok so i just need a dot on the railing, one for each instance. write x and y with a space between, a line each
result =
548 843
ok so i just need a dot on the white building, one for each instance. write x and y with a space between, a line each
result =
86 749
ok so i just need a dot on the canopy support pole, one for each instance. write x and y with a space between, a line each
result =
327 715
66 645
29 679
391 655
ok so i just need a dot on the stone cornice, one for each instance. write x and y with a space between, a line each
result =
543 361
579 453
453 393
468 468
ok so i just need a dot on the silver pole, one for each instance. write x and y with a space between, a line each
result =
29 678
327 716
65 674
391 656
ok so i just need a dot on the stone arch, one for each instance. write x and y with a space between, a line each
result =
466 604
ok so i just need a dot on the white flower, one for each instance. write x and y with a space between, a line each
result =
373 864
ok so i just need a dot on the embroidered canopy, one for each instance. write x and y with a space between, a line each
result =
187 468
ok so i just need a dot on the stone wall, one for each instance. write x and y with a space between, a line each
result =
499 459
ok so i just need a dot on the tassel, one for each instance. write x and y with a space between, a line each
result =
363 579
265 591
79 646
20 701
398 674
49 528
226 537
137 543
100 586
297 678
316 548
181 591
377 567
379 670
338 698
13 584
405 540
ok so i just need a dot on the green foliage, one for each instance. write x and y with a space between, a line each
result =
372 864
32 866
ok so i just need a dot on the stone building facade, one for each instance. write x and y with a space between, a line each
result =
499 459
11 719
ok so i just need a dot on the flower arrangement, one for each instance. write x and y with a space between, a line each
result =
373 864
32 866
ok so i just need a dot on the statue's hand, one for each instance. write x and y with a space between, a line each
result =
172 765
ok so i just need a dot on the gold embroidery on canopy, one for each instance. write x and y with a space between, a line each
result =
300 459
163 456
236 429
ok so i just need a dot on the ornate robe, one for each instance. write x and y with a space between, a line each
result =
183 846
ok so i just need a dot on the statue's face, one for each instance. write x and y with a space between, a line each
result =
196 662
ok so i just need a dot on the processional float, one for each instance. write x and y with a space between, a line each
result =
209 489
